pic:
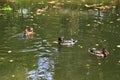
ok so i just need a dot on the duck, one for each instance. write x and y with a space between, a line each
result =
99 53
29 32
71 42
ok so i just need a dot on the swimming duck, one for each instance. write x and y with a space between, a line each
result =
99 53
61 41
29 32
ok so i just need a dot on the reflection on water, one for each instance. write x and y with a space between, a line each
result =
44 70
19 35
43 45
24 12
45 66
93 28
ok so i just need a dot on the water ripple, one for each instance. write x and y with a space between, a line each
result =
44 70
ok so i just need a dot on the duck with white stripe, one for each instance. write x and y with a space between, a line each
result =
71 42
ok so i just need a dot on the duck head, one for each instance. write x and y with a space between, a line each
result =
60 40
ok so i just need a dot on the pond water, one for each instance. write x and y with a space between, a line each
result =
41 58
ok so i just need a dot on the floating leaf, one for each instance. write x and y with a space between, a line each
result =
52 73
55 42
104 40
118 46
119 61
9 51
88 25
113 49
2 58
13 75
97 44
11 60
34 65
87 65
99 63
94 48
111 22
80 46
118 19
117 14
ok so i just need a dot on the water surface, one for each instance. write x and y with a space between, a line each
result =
41 58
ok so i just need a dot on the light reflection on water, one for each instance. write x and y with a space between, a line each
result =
43 45
45 65
44 70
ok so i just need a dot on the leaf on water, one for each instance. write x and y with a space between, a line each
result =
118 46
9 51
97 44
117 14
118 19
88 25
80 46
113 49
55 42
111 22
2 58
99 63
13 76
52 73
119 61
87 65
34 65
11 60
94 48
104 40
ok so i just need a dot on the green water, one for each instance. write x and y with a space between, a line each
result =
41 58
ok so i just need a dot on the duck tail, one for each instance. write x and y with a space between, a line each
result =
91 51
75 41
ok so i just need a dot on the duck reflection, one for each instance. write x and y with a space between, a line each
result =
44 70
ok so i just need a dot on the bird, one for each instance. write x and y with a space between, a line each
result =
71 42
99 53
29 32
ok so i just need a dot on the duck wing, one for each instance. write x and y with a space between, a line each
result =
97 52
94 51
70 41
